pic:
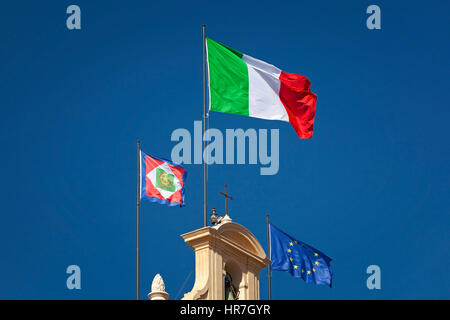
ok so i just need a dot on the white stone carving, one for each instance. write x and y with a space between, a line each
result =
158 289
158 284
226 219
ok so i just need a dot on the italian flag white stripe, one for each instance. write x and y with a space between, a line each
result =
264 88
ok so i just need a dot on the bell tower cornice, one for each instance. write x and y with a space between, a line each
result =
227 247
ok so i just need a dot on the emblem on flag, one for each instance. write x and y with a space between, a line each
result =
162 181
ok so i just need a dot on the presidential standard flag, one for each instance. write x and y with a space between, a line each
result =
299 259
247 86
162 181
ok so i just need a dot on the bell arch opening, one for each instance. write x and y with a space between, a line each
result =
233 276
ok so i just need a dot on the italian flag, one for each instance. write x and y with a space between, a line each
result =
250 87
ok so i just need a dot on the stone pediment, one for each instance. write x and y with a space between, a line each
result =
226 248
242 237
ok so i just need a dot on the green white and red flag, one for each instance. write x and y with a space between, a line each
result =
250 87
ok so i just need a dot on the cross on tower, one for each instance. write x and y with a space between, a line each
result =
227 196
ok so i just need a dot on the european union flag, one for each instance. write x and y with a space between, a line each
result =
298 258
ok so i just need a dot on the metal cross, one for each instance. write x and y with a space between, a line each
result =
227 196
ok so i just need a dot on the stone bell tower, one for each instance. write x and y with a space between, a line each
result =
227 255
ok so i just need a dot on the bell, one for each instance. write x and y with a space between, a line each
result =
230 293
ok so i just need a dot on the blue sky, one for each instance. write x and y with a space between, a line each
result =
371 186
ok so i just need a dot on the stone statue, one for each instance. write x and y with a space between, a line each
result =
215 219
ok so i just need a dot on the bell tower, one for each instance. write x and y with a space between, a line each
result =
228 259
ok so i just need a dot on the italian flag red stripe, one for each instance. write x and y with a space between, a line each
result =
299 101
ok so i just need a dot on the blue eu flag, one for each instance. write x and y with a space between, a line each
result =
298 258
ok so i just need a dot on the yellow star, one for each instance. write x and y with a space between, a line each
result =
289 250
295 266
315 254
317 263
291 244
303 271
314 270
308 272
290 258
295 241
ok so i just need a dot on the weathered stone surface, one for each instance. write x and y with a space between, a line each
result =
226 247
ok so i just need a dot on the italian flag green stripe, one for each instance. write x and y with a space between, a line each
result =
228 72
247 86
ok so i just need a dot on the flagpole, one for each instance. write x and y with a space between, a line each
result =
205 190
138 207
269 273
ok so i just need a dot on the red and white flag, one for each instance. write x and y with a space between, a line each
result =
162 181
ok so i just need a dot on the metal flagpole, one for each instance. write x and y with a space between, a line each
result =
269 273
138 206
205 190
